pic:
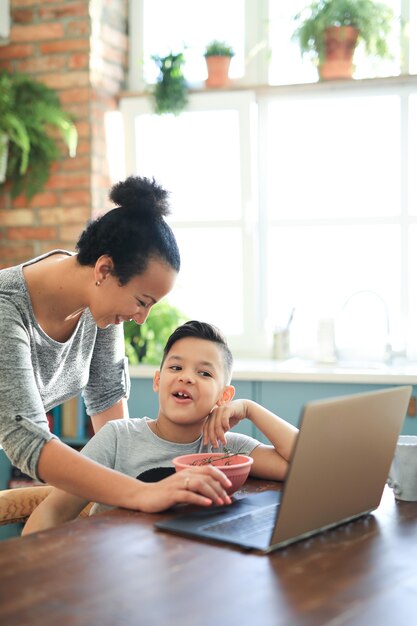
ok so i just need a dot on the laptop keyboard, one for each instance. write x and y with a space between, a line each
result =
247 524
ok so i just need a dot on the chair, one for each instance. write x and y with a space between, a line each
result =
17 504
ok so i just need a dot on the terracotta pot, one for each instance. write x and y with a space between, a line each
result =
218 71
340 43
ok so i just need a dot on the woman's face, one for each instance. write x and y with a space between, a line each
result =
114 304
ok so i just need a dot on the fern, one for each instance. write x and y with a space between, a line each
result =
29 113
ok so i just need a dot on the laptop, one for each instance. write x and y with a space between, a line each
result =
337 473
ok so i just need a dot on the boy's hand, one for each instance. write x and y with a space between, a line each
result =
203 485
222 419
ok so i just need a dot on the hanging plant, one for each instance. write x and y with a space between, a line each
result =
29 112
170 91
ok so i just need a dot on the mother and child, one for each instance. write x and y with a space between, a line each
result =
61 333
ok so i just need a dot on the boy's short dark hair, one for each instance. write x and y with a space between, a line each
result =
202 330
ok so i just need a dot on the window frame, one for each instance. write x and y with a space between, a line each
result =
257 339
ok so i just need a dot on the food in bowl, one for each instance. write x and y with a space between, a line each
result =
235 466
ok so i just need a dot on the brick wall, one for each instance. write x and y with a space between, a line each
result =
78 48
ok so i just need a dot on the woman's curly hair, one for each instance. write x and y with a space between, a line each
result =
132 233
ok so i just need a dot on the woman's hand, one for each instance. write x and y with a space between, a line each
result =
222 419
203 485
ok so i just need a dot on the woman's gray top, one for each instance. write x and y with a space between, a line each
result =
38 373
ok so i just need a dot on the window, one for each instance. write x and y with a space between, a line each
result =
285 196
204 158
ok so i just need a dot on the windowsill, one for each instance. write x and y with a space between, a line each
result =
320 86
300 370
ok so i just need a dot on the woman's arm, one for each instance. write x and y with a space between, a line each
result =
57 508
117 411
86 481
269 462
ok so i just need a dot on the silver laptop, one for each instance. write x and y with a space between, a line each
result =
337 473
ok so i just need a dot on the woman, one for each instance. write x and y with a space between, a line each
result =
61 333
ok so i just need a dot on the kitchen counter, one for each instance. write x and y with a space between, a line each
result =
300 370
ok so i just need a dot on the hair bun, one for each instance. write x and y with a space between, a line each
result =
141 195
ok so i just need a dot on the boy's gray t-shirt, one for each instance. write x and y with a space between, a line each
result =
38 373
131 447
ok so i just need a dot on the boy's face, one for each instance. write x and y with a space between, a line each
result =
191 381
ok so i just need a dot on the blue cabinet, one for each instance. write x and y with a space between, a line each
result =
283 398
286 399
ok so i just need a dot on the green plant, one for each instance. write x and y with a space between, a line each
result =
145 343
218 49
170 91
372 19
29 112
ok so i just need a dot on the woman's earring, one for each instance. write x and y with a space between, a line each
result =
98 283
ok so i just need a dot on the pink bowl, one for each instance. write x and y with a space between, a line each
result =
236 467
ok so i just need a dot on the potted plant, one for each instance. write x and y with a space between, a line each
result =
170 91
329 31
218 55
29 111
145 343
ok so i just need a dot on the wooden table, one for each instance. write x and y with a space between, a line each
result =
116 570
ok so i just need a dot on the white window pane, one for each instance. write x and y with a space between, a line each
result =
412 158
325 157
316 269
412 293
186 23
286 65
210 283
412 33
368 67
197 157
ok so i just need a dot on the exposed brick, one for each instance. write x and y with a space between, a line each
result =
84 146
82 94
43 247
6 65
66 79
68 180
23 16
5 196
36 32
17 217
36 65
44 199
76 197
99 181
64 215
51 40
78 27
11 255
16 4
67 9
16 51
71 233
78 61
114 37
79 110
20 202
31 232
79 162
84 129
114 55
65 45
41 199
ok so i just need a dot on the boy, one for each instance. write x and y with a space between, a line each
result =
196 412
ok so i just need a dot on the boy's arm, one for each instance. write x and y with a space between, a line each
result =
57 508
269 462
